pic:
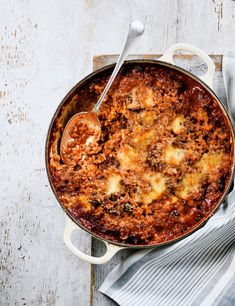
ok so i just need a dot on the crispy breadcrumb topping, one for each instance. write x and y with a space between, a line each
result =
162 162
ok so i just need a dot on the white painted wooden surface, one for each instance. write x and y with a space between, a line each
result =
46 47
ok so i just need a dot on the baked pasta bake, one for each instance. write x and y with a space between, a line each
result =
162 162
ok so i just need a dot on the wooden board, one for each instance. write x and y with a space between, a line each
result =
191 63
187 61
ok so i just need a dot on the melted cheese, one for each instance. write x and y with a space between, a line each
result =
177 125
210 162
174 155
189 185
148 118
158 185
144 138
192 182
147 97
113 185
128 158
173 199
142 97
135 104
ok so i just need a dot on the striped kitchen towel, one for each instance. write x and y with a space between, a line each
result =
198 270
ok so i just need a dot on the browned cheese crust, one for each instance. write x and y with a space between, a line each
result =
161 165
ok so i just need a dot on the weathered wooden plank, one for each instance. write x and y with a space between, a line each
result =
35 72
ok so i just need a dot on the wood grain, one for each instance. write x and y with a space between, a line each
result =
46 47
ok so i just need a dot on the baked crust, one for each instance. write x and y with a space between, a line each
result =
162 163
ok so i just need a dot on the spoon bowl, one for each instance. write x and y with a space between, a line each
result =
92 130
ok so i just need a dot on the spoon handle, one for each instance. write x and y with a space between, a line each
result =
136 29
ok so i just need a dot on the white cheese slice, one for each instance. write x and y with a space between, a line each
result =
113 184
158 185
128 158
189 185
178 125
192 182
144 138
147 117
209 162
174 155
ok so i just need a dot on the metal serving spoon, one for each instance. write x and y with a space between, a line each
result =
90 119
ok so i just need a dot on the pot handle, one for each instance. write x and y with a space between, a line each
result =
208 76
111 250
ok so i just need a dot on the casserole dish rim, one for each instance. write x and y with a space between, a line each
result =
163 64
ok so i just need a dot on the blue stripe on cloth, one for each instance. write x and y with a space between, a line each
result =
228 296
185 269
209 287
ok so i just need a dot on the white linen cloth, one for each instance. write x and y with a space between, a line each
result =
198 270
